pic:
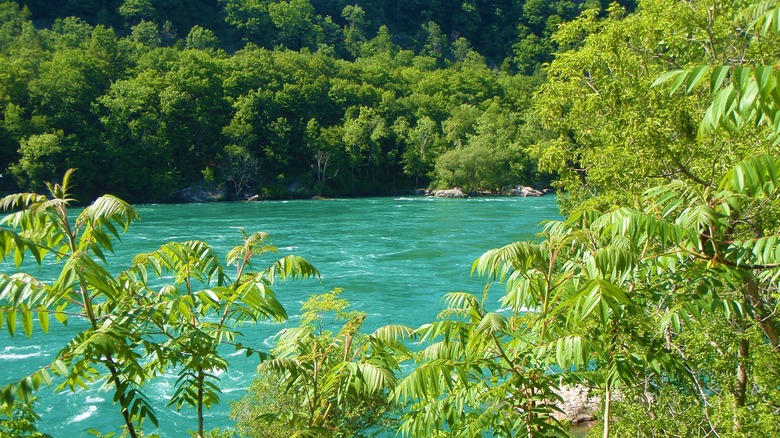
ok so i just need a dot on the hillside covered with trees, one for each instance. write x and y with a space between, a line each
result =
658 292
277 98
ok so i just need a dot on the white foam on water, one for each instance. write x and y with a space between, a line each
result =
84 414
523 309
95 399
17 356
240 389
24 347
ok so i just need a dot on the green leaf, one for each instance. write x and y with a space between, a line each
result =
717 77
60 368
11 322
758 175
43 319
60 315
492 323
679 81
392 332
667 77
765 80
695 77
27 322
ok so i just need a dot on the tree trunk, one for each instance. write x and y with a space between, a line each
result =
762 315
201 379
742 380
122 398
607 408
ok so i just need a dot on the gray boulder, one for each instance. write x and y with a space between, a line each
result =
450 193
199 193
524 191
577 405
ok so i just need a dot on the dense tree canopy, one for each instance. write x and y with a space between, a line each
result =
617 135
166 94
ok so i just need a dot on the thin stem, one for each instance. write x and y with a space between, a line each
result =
607 407
201 379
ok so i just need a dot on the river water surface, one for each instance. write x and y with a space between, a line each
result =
394 257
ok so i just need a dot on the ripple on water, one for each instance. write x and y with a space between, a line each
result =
84 414
394 264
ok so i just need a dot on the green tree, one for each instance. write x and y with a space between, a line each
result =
335 384
362 134
355 31
436 45
164 125
742 95
135 11
136 328
202 39
492 157
460 124
420 151
296 24
210 309
147 33
252 18
325 146
41 227
239 171
616 297
40 158
475 375
382 43
615 135
703 245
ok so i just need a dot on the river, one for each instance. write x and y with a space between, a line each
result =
394 257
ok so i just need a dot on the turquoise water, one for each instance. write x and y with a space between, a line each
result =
394 257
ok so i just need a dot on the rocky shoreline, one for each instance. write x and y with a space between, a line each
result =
577 405
212 193
455 192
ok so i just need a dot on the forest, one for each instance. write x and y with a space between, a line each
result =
272 98
658 121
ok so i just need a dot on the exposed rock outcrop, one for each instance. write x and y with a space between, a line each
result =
521 190
577 404
199 193
450 193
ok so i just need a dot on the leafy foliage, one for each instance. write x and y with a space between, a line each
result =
172 309
476 374
616 134
21 423
159 96
616 298
332 384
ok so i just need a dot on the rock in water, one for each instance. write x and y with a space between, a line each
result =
524 191
450 193
577 404
199 193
